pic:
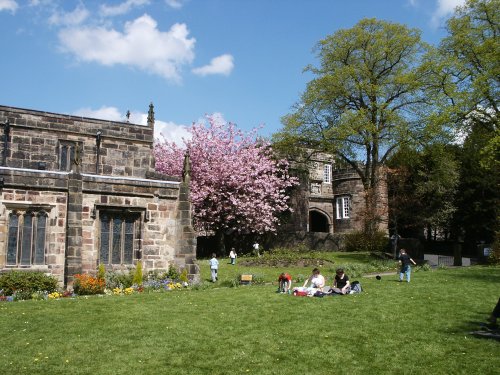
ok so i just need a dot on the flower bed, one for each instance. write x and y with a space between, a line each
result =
19 286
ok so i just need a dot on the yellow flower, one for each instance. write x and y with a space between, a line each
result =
54 295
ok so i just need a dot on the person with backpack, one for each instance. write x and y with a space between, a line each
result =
341 283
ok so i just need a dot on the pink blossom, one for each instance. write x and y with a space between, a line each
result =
235 181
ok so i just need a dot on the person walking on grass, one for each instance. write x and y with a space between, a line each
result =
214 266
232 256
256 251
406 262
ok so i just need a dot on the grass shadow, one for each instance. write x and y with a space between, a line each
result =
489 277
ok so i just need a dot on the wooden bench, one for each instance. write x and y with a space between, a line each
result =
246 279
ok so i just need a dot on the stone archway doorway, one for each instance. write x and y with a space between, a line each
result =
318 222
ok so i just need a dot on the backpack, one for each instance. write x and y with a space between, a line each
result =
356 287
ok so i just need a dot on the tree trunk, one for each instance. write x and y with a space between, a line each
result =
220 243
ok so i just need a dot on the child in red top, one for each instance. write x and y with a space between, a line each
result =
285 282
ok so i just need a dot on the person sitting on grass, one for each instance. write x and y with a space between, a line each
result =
285 282
341 283
316 281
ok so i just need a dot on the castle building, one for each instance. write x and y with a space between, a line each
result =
330 201
79 192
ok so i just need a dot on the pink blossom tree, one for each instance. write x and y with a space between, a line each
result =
236 184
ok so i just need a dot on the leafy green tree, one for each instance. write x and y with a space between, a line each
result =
367 98
422 191
467 72
472 51
478 195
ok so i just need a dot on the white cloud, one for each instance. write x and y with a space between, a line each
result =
176 4
141 45
444 9
103 113
168 129
218 65
171 132
76 17
122 8
10 5
413 3
41 3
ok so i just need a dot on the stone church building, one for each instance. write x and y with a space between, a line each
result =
79 192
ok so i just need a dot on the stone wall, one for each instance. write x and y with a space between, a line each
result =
346 182
125 148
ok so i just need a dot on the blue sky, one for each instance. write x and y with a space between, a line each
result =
242 59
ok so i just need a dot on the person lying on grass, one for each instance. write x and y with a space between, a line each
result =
341 283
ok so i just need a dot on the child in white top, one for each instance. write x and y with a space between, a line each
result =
214 266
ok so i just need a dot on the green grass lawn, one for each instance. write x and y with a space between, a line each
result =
391 328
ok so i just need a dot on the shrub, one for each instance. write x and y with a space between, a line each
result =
25 284
22 295
173 273
494 257
184 276
258 279
137 279
156 275
284 256
119 279
101 272
86 284
367 242
40 295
